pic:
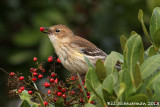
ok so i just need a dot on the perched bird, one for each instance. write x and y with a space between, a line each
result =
71 49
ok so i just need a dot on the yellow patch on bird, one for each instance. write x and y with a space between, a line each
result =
77 53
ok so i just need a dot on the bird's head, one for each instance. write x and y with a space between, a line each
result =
58 33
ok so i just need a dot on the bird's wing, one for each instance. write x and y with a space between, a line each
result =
87 47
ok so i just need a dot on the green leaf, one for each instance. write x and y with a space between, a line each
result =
92 77
107 96
137 76
89 105
152 51
88 62
96 94
154 77
35 105
140 18
84 92
157 38
156 87
131 55
25 104
125 78
108 84
155 25
133 32
122 89
123 42
138 99
111 61
149 66
140 15
100 70
25 96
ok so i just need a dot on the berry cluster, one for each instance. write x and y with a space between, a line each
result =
57 90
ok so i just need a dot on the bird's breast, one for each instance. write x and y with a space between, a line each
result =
71 59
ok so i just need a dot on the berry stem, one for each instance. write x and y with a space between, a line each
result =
68 103
40 99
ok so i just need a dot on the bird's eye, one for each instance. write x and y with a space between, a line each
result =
57 30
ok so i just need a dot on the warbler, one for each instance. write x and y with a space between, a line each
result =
71 49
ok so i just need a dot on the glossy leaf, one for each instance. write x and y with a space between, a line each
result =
157 37
121 89
150 66
84 92
156 87
138 98
92 77
108 83
123 42
96 94
88 62
131 55
25 96
100 70
137 76
108 97
152 51
25 104
111 61
155 25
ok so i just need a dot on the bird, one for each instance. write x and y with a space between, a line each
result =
71 49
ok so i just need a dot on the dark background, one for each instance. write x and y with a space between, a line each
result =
100 21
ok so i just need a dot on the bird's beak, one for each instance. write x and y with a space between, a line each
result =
48 31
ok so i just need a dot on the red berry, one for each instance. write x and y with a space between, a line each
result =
31 69
64 96
88 93
59 94
73 78
12 74
58 60
45 103
88 96
21 78
43 70
81 100
55 99
50 59
40 76
59 88
41 29
46 84
72 92
35 59
19 91
35 74
30 92
56 80
53 74
34 79
49 91
22 88
51 80
91 102
35 70
63 90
